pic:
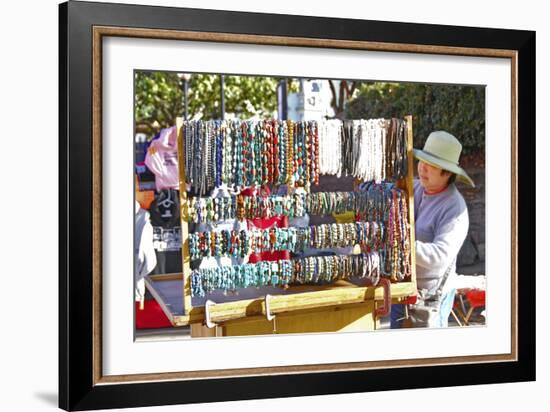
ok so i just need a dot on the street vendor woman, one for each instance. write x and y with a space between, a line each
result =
441 225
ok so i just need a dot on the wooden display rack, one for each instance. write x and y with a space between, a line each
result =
342 306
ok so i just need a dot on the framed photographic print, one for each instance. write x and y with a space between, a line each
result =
257 205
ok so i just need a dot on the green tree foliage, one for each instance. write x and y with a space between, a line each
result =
245 96
460 110
159 98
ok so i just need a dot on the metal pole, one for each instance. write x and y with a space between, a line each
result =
185 77
282 103
185 93
222 95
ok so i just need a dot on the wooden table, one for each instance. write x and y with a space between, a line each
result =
339 307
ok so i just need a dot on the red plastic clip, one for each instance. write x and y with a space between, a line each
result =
411 300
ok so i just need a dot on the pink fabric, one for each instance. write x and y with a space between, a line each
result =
162 159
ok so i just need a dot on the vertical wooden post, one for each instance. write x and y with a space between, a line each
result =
184 212
410 191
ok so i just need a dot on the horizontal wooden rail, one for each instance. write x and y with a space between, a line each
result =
338 295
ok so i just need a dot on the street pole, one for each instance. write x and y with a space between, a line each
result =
185 93
185 77
282 103
222 95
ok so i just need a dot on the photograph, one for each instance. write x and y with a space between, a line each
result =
293 186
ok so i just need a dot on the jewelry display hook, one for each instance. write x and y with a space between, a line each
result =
385 310
207 314
270 317
268 313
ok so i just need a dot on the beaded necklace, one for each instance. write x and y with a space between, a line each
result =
258 146
276 152
268 153
248 154
236 154
245 153
307 158
310 270
261 152
289 153
211 160
315 132
219 153
290 239
186 145
227 157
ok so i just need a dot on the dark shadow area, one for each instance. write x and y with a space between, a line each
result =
49 398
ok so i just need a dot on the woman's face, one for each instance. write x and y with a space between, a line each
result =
431 177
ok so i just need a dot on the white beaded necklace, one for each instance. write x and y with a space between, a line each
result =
330 147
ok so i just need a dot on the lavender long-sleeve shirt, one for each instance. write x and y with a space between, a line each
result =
441 225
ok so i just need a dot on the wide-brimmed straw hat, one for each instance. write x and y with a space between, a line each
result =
442 150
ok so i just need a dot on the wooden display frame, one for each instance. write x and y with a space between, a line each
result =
302 297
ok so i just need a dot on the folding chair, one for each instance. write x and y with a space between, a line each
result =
475 298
